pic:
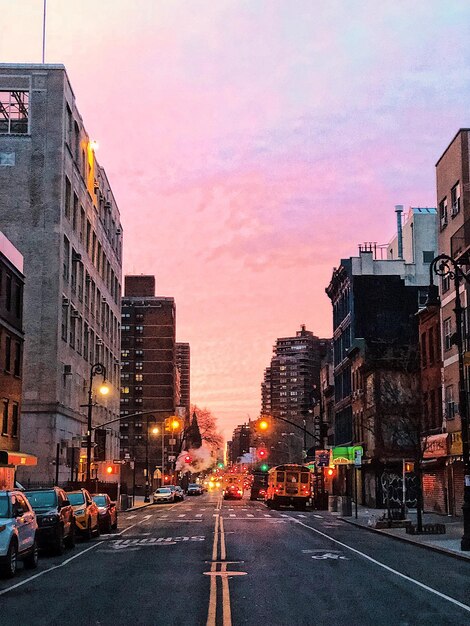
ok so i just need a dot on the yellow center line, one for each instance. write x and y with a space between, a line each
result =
212 613
227 614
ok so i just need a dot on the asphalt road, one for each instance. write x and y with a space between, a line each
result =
211 562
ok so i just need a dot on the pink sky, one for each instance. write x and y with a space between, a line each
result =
251 145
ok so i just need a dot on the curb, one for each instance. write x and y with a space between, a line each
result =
427 546
137 508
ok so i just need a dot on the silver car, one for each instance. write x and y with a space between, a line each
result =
18 527
163 494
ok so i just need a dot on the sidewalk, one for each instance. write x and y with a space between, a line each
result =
139 503
448 543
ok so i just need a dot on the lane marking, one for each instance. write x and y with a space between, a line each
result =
463 606
317 516
182 515
146 517
50 569
232 515
267 515
131 516
300 515
212 612
199 515
226 611
249 515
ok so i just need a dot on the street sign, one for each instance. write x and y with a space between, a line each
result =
119 461
322 458
172 442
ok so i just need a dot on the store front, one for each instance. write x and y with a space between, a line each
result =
9 462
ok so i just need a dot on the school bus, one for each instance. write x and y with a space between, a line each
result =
289 485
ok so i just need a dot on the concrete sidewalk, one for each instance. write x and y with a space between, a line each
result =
448 543
139 504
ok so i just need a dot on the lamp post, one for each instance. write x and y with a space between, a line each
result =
444 265
95 370
155 431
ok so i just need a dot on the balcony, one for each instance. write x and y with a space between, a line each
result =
460 243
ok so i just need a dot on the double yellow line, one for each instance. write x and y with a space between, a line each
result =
219 547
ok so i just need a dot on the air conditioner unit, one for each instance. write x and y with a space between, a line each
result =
118 231
74 313
76 257
103 299
65 302
107 204
67 370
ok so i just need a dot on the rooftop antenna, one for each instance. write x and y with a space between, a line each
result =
44 32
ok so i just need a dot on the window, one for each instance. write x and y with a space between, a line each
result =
431 345
80 281
447 334
139 329
65 322
451 408
125 390
428 256
139 353
18 299
5 417
75 212
14 112
68 193
7 353
455 199
85 341
66 263
443 213
139 365
14 419
139 378
17 359
424 357
81 233
8 292
445 284
73 321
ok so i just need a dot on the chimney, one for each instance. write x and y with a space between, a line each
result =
399 211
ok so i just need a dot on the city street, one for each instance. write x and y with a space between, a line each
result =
208 561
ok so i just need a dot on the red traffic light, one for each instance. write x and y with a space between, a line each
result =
262 453
330 472
109 469
187 458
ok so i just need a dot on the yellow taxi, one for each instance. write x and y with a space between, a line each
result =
85 512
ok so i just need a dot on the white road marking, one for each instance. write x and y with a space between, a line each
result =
164 516
463 606
198 514
317 516
232 514
182 515
284 515
146 517
131 516
300 515
249 515
266 514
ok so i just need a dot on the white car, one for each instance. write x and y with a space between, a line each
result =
18 528
163 494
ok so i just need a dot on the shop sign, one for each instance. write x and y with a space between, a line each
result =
455 443
322 458
346 455
436 446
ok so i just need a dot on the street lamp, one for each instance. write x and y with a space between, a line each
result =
444 265
155 430
96 369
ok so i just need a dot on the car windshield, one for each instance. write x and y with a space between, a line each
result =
100 500
42 499
76 498
165 490
4 506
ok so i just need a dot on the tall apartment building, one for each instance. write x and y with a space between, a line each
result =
375 301
148 372
58 209
183 364
453 198
291 384
240 443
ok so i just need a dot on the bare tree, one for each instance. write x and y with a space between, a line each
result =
207 423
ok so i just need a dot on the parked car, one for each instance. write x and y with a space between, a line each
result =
233 492
85 512
163 494
107 512
56 521
18 528
179 493
194 489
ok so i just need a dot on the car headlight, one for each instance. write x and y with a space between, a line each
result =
80 512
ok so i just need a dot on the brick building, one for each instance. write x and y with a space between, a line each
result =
58 209
183 364
148 374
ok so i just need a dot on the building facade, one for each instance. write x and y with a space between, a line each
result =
148 376
240 443
375 298
289 391
183 364
453 199
58 209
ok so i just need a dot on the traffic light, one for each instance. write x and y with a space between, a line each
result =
187 458
262 453
220 465
109 469
174 424
330 472
409 466
264 467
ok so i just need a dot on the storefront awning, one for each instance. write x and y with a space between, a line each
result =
8 457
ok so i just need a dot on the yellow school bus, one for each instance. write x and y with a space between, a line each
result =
289 485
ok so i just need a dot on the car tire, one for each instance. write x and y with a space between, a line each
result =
115 525
59 546
8 567
31 561
88 532
70 540
109 526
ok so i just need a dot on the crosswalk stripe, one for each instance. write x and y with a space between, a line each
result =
131 516
267 515
232 515
182 515
284 515
199 515
318 516
300 515
250 515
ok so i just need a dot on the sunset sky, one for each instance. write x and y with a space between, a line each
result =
251 144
